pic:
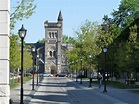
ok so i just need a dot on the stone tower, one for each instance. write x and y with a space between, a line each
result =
53 44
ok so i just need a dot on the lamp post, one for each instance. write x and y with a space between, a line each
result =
104 50
90 56
72 67
81 72
76 69
33 50
37 67
22 34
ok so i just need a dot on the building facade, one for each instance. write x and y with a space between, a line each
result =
52 54
55 58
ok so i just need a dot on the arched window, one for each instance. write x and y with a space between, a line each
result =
56 34
53 34
51 53
54 54
49 34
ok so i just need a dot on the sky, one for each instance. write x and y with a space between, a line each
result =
74 13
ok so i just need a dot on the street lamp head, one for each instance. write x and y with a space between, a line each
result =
37 56
22 32
104 49
33 49
90 56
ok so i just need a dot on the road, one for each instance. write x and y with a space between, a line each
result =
61 90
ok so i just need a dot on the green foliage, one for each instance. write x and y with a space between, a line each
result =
20 10
41 41
14 53
27 58
65 39
124 16
68 39
85 44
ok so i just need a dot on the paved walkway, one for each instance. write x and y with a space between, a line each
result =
113 93
121 96
28 92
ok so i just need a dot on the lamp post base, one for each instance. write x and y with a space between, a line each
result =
76 79
104 91
80 82
89 86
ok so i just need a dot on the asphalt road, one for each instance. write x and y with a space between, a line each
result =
61 90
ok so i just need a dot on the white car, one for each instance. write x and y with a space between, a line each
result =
47 75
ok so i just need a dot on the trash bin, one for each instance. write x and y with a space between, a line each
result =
18 80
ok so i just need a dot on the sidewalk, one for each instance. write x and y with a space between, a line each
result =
28 92
120 96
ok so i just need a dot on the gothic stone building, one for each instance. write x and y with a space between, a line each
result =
52 58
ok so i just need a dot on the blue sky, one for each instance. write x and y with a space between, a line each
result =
74 12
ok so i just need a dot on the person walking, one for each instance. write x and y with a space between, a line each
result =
91 76
100 78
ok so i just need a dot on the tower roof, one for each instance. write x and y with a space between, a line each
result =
60 17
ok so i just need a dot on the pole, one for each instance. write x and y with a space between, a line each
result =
37 71
90 81
104 73
21 97
81 72
33 73
76 70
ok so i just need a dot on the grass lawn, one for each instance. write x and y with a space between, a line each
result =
135 91
121 85
117 84
14 83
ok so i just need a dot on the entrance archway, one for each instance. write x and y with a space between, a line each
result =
53 69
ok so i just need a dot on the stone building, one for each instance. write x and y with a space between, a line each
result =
52 56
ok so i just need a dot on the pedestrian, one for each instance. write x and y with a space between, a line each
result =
91 76
100 78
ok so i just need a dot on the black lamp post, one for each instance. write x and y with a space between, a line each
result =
81 72
72 67
76 69
22 34
104 50
37 67
33 50
90 56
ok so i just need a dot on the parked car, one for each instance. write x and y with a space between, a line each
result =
61 75
47 75
73 75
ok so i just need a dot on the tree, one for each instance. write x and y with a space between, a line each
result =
21 9
14 52
125 42
28 62
85 43
41 41
124 16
